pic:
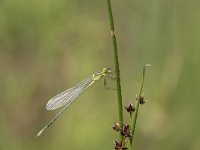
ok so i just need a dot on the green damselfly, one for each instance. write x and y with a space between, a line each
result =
70 95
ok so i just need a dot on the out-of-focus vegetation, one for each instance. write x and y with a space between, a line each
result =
48 46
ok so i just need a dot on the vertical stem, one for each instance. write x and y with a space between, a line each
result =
117 70
137 105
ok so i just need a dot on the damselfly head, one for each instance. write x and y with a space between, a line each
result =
107 70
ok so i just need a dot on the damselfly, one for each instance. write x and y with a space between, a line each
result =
67 97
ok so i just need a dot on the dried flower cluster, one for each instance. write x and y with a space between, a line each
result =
120 145
142 101
125 130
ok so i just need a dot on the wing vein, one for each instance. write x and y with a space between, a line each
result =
68 96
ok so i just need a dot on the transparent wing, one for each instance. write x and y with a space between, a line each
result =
65 99
68 96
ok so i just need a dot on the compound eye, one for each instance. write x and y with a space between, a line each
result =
109 69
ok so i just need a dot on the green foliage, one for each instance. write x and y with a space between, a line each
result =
48 46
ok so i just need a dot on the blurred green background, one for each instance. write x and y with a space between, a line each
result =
48 46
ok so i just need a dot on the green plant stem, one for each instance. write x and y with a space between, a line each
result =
117 70
137 105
